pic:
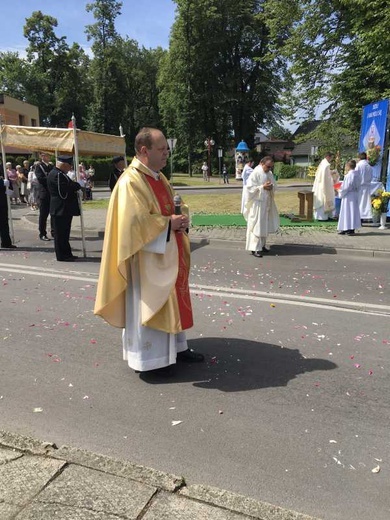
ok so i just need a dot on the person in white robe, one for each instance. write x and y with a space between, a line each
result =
260 211
248 169
365 174
349 218
323 191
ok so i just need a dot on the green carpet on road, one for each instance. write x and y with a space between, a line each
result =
238 220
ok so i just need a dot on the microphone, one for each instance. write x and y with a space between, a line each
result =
177 204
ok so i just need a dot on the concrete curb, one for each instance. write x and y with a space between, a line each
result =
212 235
234 505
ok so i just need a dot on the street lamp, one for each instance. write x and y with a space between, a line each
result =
220 155
209 143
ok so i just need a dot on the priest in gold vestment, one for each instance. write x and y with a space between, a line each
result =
143 282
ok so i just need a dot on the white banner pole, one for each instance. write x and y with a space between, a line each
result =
79 196
124 143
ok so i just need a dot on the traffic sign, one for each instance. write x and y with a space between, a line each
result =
172 143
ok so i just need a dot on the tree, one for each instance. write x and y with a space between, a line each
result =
13 74
338 50
139 95
106 73
220 76
279 132
55 81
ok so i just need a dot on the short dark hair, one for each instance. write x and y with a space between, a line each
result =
352 164
266 159
144 138
329 154
362 156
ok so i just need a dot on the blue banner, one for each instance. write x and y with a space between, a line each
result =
372 134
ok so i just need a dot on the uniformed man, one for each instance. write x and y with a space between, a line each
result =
64 205
119 166
42 170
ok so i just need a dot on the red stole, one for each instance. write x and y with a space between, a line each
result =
165 201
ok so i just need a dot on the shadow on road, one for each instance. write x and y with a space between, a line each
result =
201 243
236 365
301 249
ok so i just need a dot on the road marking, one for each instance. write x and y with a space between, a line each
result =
222 292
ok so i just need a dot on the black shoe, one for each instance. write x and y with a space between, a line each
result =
9 247
265 250
342 233
350 232
68 259
257 254
168 371
190 356
44 238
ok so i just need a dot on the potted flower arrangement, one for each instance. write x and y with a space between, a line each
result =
380 206
373 155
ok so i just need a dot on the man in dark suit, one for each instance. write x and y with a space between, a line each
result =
119 166
64 206
42 170
6 242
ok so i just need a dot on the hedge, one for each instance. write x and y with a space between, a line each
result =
289 171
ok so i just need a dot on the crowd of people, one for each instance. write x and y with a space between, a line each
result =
28 184
143 282
49 189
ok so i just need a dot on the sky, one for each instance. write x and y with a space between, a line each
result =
146 21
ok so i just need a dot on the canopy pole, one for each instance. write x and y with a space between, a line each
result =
124 144
79 197
4 159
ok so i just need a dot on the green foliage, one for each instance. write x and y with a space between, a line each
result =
338 53
102 166
19 160
289 171
13 72
220 76
55 76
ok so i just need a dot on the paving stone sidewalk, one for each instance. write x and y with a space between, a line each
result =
39 481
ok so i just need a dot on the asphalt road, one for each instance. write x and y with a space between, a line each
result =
291 406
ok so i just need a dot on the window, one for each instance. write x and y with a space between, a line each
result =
33 122
21 120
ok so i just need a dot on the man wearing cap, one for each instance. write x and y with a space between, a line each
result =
63 206
119 166
42 170
143 281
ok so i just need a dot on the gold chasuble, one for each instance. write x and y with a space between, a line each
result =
139 211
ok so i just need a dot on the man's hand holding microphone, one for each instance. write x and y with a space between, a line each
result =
179 221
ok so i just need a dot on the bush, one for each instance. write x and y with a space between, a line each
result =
102 166
289 171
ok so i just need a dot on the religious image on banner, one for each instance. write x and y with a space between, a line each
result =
372 134
371 142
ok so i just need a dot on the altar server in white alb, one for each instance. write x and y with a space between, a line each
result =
248 169
323 191
365 174
349 218
260 211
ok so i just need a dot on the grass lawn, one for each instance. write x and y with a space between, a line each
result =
183 179
225 203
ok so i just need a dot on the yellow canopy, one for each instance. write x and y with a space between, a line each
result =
61 140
